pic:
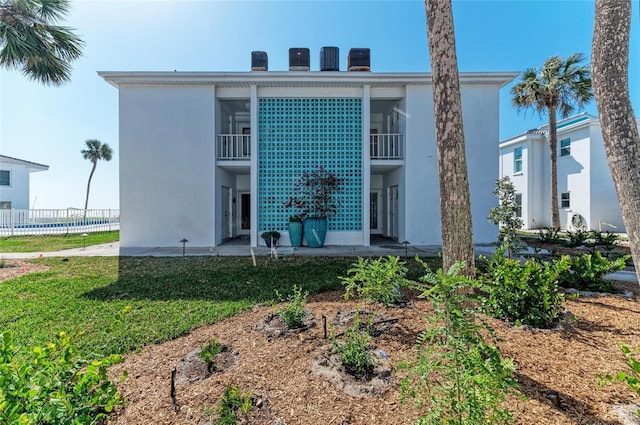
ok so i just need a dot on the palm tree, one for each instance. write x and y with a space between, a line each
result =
559 87
610 65
94 152
455 206
31 42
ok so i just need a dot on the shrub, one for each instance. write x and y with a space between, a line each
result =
210 350
354 351
523 294
376 280
506 216
576 238
632 380
550 235
51 385
292 314
457 378
232 402
585 272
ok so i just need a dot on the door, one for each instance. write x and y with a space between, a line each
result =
375 207
226 212
393 212
244 213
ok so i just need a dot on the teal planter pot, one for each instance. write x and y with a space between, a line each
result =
295 233
315 231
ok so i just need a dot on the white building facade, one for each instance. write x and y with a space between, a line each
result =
14 181
210 156
586 194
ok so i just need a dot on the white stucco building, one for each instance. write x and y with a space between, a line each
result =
14 181
586 193
208 156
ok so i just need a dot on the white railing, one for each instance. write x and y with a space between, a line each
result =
234 146
387 146
47 222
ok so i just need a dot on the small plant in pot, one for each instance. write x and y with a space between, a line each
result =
271 237
295 230
315 201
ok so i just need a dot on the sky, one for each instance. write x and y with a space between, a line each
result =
49 124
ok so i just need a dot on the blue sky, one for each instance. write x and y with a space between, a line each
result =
49 125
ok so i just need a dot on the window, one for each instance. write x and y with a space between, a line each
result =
5 205
565 147
517 160
5 178
565 200
518 204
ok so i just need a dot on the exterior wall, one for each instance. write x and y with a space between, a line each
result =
480 108
573 175
419 223
18 190
167 166
605 206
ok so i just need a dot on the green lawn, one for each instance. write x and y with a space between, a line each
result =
116 305
47 243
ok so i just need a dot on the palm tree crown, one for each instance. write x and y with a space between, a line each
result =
560 86
563 84
95 151
30 41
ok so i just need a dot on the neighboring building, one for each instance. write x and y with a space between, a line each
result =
586 194
14 181
208 156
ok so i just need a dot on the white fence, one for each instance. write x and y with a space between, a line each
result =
234 146
50 222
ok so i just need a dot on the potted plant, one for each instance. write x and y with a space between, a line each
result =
271 237
315 201
295 230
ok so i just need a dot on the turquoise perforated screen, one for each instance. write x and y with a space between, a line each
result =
297 135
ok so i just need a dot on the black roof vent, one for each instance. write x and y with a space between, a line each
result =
299 59
359 60
259 61
329 59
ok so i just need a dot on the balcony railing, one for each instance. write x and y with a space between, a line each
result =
238 146
234 146
387 146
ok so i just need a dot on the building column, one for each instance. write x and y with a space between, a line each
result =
253 172
366 164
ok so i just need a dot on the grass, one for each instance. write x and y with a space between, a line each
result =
47 243
116 305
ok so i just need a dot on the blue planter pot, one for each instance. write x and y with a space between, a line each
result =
295 233
315 231
267 242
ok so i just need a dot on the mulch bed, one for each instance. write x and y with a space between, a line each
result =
563 363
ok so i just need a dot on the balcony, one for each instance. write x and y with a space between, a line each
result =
237 147
386 146
234 147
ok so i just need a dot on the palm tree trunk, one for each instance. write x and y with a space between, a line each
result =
86 202
610 70
455 206
553 164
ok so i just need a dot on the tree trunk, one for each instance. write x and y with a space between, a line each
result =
553 164
455 205
86 202
609 71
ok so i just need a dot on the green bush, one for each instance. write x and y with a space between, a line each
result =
577 237
550 235
585 272
232 403
457 378
293 312
354 351
632 380
210 350
51 385
376 280
523 294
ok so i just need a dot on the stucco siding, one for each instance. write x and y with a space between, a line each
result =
166 166
18 190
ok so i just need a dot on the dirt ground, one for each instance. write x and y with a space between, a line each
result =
564 362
